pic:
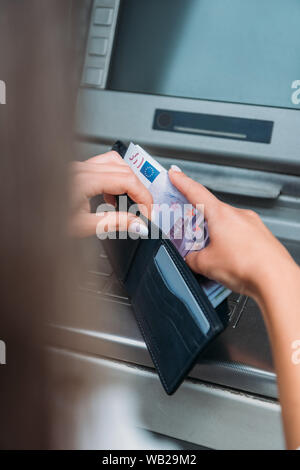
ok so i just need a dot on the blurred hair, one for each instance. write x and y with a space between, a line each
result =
35 147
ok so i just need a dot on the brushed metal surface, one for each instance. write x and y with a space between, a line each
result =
240 358
198 413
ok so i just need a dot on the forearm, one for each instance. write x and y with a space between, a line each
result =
246 257
279 300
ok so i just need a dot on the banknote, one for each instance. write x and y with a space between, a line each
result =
179 221
172 212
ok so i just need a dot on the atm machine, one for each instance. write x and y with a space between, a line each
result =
212 87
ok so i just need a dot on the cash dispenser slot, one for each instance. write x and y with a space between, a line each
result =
211 125
250 188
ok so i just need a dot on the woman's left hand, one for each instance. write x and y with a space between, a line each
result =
109 175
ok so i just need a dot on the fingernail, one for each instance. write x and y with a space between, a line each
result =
139 228
176 168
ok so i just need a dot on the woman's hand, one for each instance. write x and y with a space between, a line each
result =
245 256
109 175
242 252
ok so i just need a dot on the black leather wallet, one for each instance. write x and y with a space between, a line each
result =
175 317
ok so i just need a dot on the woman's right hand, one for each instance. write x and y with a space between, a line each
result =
242 253
245 256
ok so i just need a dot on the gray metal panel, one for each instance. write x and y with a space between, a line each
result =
240 358
244 188
197 413
100 42
107 116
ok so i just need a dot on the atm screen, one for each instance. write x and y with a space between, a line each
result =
239 51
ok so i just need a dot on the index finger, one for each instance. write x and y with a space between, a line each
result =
118 183
139 194
109 157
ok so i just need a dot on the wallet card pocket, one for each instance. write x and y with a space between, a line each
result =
174 281
173 324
